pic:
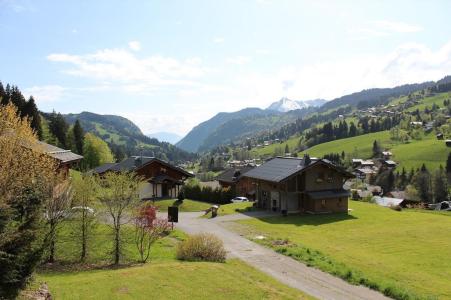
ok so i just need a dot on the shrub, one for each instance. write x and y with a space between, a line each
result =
202 247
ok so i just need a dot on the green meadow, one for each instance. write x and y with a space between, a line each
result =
403 254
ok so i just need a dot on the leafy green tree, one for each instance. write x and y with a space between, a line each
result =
119 194
85 196
24 177
96 152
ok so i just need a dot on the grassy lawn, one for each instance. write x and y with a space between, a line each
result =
403 252
170 280
231 208
164 277
186 206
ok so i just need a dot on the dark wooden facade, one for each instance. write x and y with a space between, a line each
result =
317 188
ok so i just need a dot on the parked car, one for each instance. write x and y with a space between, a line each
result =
240 199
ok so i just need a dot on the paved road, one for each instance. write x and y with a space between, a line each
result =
285 269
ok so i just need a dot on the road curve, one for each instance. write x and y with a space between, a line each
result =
293 273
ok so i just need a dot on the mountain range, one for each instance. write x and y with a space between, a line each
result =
285 104
225 128
121 133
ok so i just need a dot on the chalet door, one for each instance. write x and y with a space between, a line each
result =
164 190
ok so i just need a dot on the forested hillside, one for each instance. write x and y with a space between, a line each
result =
121 135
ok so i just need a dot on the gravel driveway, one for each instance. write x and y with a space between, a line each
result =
285 269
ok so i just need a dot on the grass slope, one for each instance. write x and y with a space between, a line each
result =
428 150
186 206
163 278
405 250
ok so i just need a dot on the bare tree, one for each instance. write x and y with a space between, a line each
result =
148 229
119 193
56 209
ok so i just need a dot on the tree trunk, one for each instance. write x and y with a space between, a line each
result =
52 242
83 237
117 245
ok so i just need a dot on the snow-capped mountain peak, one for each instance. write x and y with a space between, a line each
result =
285 104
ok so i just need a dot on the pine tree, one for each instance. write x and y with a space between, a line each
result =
58 127
352 130
17 99
423 184
79 135
440 185
448 164
376 149
31 111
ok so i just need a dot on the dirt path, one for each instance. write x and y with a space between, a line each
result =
293 273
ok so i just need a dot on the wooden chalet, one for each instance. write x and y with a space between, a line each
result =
293 185
234 178
65 158
163 180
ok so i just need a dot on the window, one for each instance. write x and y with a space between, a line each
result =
339 202
330 177
323 203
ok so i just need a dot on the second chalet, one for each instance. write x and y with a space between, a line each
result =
290 185
163 180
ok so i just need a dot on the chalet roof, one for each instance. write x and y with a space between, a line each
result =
134 163
64 156
387 201
103 168
398 194
280 168
162 178
233 174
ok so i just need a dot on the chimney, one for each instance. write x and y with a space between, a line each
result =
307 160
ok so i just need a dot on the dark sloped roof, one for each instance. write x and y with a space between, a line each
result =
280 168
233 174
64 156
103 168
134 163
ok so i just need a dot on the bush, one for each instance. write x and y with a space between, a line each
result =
202 247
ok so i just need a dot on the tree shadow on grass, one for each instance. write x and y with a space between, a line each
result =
307 219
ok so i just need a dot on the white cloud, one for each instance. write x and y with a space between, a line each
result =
382 28
123 68
408 63
238 60
218 40
45 93
134 45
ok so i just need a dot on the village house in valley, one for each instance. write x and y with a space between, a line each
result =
235 179
300 185
163 180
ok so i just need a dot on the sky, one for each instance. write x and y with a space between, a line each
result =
169 65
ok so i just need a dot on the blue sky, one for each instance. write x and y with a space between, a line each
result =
168 65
